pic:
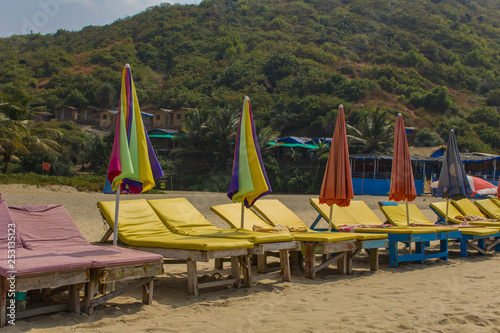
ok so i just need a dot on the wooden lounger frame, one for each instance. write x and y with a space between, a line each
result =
239 257
142 273
73 279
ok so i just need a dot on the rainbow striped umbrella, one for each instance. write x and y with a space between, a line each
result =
249 180
133 166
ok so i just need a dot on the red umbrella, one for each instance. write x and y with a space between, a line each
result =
402 182
337 182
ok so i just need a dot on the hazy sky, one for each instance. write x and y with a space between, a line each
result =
19 17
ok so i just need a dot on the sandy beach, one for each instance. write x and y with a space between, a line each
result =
458 295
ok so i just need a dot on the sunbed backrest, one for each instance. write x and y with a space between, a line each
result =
440 209
491 210
466 207
496 201
416 215
180 216
46 227
231 213
356 213
8 230
136 219
276 213
395 215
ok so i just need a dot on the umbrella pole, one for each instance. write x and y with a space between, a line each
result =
407 213
331 219
447 204
117 206
242 213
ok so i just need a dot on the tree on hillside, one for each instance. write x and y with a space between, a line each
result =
373 134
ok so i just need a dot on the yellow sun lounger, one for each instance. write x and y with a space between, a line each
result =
491 208
360 218
140 228
314 242
182 218
397 216
276 212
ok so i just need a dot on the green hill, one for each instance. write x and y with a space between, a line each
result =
435 61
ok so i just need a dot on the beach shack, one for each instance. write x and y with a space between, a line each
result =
65 113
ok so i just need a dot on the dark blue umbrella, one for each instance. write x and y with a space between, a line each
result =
453 183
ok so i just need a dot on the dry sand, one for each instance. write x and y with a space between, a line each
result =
458 295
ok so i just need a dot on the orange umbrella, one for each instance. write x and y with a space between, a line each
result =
402 182
337 182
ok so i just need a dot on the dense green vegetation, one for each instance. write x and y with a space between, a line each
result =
435 61
430 59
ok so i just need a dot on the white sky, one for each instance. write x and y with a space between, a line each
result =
19 17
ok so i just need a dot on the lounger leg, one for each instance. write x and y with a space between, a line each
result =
343 264
374 263
3 304
219 263
420 249
481 243
235 271
296 261
192 278
444 248
285 265
147 293
393 253
74 299
497 247
247 271
463 248
310 261
90 289
262 263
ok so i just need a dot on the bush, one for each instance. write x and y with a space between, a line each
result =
427 138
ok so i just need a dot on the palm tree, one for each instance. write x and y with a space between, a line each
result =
373 134
15 105
265 134
222 130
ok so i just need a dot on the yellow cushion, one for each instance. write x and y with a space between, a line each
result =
276 213
138 225
440 209
231 213
327 237
356 213
396 215
180 216
496 201
491 210
400 230
467 207
478 231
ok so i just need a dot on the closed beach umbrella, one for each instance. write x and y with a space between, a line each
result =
133 166
402 182
249 180
453 183
337 182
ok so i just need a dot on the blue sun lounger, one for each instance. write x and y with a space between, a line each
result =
360 218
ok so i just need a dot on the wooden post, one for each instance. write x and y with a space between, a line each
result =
74 299
192 278
235 271
247 269
219 263
310 261
285 265
147 292
373 254
262 263
90 289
